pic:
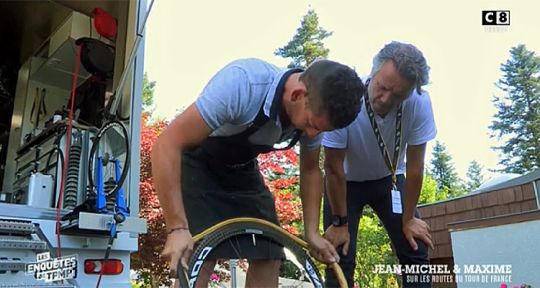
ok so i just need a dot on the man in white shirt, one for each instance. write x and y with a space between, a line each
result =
365 162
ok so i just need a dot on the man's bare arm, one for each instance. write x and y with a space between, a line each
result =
187 130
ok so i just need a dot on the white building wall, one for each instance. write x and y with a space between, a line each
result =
516 244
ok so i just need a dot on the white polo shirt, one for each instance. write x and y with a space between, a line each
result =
364 160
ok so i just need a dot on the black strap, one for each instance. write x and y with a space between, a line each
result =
392 165
236 149
261 118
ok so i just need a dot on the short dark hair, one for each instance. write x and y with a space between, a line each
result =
335 89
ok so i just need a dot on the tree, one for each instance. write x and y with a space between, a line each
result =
444 173
442 168
474 176
429 192
304 48
152 269
280 172
373 247
517 120
148 94
307 44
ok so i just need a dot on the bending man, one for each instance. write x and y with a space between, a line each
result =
205 168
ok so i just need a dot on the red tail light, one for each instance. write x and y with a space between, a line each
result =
111 267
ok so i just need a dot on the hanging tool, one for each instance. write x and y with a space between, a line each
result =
39 109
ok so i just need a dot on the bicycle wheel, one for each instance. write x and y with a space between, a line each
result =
297 270
111 147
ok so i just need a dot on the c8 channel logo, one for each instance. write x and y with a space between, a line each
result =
496 17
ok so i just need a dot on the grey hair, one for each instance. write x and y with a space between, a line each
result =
410 62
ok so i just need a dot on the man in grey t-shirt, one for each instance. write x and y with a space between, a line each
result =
204 164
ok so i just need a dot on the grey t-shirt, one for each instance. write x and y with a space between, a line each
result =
233 97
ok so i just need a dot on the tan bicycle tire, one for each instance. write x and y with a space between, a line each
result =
246 225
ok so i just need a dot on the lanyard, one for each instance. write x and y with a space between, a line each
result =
391 164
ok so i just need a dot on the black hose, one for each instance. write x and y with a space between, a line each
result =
59 153
60 132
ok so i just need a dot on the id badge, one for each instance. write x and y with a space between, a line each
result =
396 202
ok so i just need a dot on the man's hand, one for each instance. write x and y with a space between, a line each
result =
322 249
179 245
338 236
417 228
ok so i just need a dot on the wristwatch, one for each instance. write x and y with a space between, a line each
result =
339 221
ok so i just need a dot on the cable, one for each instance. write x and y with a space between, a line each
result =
60 155
107 252
118 218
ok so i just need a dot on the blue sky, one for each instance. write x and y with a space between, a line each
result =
188 41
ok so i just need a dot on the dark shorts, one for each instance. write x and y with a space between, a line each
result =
213 192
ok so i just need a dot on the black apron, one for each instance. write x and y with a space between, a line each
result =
221 180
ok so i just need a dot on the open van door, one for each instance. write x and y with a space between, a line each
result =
70 110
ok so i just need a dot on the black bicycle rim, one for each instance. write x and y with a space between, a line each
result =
92 156
246 228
